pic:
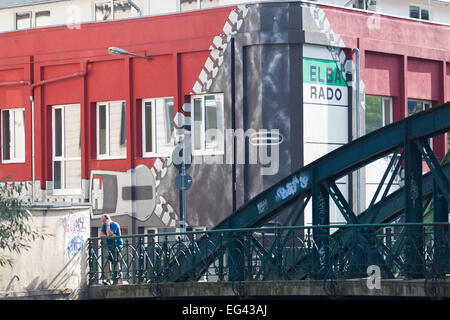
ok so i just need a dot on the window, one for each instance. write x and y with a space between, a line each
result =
103 11
66 148
186 5
111 130
109 10
23 20
365 4
209 3
378 112
157 127
122 10
417 12
13 135
42 19
415 106
207 128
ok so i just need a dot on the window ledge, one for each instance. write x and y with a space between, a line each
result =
67 192
110 158
12 161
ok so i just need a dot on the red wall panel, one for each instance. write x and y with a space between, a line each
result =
107 81
423 79
12 96
65 91
151 79
191 65
382 74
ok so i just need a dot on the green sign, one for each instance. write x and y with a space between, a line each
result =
322 72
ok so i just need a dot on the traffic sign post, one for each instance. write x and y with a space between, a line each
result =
182 159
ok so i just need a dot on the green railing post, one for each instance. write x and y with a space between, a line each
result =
150 257
440 214
248 256
141 265
126 270
278 253
114 274
235 253
166 255
104 258
91 262
320 216
388 237
194 254
221 258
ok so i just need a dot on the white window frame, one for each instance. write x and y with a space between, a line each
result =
421 7
94 15
424 102
391 119
106 156
430 105
199 5
12 135
146 231
152 153
154 229
21 13
35 18
62 158
155 130
113 14
179 6
218 149
366 7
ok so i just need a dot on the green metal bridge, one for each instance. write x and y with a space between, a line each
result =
238 249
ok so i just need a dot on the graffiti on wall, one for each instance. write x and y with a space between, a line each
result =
133 193
75 226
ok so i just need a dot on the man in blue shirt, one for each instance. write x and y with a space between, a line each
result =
111 229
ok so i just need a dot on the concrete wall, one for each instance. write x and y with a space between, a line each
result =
54 268
406 289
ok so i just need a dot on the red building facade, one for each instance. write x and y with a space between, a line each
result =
64 81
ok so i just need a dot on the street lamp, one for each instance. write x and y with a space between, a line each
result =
119 51
115 51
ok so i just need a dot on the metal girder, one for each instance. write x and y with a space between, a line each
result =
374 213
341 202
435 168
413 208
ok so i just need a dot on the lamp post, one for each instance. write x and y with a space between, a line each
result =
115 51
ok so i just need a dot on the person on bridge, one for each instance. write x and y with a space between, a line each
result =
114 246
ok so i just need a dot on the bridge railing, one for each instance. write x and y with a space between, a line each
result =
277 253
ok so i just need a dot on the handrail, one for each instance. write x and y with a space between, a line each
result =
240 230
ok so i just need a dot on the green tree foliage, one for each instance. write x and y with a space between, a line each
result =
16 232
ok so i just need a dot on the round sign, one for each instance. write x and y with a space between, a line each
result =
183 181
180 159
